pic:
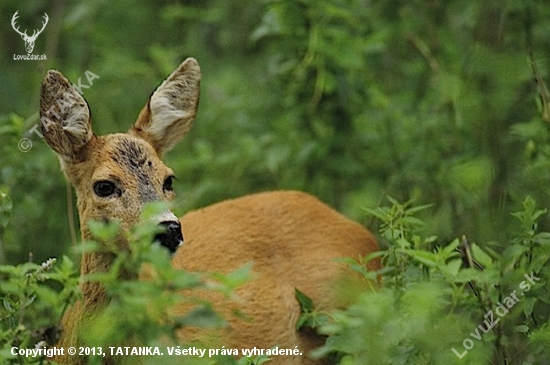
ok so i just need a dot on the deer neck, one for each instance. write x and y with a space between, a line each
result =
93 292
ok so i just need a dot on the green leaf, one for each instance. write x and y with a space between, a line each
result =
237 277
150 210
419 208
521 328
450 248
105 231
403 243
302 321
7 304
528 306
453 267
6 205
203 316
513 252
480 256
306 304
425 257
378 213
542 238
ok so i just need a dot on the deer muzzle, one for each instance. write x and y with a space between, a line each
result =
172 237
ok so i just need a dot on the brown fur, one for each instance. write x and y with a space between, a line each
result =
291 238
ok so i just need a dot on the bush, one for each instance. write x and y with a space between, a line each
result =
458 303
455 303
138 309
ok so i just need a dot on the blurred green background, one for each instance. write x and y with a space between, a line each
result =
350 100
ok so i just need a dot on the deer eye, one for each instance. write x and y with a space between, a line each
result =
104 188
167 186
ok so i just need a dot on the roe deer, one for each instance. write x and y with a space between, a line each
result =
292 238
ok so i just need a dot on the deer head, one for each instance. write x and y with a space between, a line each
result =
116 175
29 40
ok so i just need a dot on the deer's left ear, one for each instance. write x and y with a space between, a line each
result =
171 109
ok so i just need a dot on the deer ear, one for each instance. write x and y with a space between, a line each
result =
65 117
171 109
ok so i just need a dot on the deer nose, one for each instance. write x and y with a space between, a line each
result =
171 238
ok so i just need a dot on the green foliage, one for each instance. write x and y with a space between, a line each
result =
256 360
6 205
417 328
31 306
436 307
143 288
351 100
348 99
309 317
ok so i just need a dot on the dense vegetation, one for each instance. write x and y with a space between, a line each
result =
441 103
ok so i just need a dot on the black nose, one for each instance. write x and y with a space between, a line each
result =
171 238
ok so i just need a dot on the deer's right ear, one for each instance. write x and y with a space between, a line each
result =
65 117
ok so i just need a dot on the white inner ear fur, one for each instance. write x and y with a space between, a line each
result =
76 132
173 106
166 110
76 124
